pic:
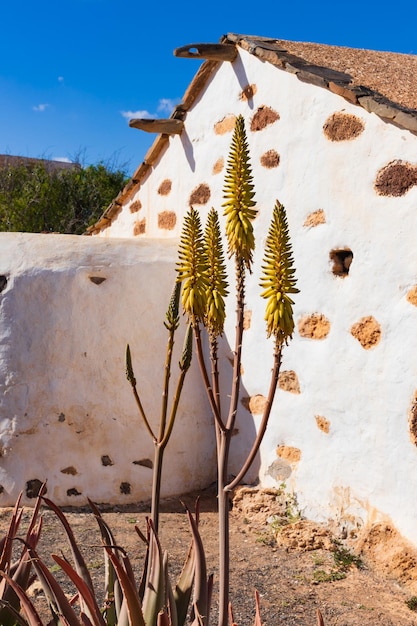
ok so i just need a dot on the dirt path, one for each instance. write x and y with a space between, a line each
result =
302 571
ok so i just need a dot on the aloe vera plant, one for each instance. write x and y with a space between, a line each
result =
201 269
17 573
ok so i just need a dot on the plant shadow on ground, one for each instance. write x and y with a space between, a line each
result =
285 572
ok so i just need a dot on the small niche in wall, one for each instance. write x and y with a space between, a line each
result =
3 283
342 260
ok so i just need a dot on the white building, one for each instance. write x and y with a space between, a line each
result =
332 135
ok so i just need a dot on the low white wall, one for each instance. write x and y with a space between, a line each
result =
67 412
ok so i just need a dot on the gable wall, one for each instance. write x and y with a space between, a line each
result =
341 433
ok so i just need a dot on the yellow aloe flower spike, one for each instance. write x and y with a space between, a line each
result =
278 278
239 194
217 276
192 267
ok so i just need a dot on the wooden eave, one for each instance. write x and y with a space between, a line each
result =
390 91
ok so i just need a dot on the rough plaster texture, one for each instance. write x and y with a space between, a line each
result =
350 421
68 415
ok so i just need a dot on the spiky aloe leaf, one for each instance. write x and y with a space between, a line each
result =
154 597
217 275
278 277
192 267
238 195
32 615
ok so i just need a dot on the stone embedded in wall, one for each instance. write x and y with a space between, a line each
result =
167 220
125 488
396 178
97 280
135 206
288 381
248 92
139 227
106 460
342 260
200 195
247 318
322 423
315 326
3 283
144 463
280 469
226 125
412 295
367 331
289 453
218 166
165 187
33 488
315 218
69 470
270 159
263 117
254 404
412 420
73 492
343 127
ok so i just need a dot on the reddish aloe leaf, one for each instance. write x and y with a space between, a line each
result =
258 621
30 611
132 599
93 611
6 555
320 620
200 584
231 617
79 562
154 597
163 619
111 584
53 591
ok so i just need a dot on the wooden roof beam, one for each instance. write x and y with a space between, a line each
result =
164 126
210 51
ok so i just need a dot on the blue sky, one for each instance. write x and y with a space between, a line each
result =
72 72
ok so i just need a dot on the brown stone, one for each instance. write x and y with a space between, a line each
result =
290 454
270 159
367 331
396 178
254 404
139 227
412 420
322 423
344 91
165 187
412 295
248 92
263 117
218 166
315 218
315 326
288 381
342 127
226 125
135 206
200 195
69 470
167 220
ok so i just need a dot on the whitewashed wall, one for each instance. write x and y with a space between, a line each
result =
342 441
68 415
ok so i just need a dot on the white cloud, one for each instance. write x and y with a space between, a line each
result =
40 108
165 105
136 114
